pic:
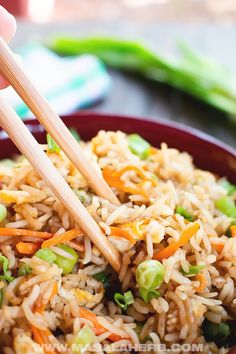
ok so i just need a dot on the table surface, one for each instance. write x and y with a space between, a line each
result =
133 95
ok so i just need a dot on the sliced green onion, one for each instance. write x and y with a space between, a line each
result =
67 264
24 269
7 162
150 274
216 332
75 134
46 255
148 295
120 300
3 212
52 145
6 273
138 146
1 297
102 277
129 298
230 188
182 211
227 206
193 270
80 194
124 300
84 338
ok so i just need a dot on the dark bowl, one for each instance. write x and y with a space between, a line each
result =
208 153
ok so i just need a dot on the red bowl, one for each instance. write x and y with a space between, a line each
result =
208 153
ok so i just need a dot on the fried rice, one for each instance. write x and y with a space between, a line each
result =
169 214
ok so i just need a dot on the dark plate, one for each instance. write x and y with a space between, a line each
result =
208 153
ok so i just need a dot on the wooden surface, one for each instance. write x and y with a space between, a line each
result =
132 95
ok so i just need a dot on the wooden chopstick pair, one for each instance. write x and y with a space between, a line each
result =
27 144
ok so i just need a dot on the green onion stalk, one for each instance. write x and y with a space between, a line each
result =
66 264
192 73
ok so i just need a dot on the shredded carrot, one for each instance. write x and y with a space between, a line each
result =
119 231
97 327
67 236
42 338
90 316
41 307
218 247
28 248
233 230
76 245
4 231
37 335
203 282
113 178
173 247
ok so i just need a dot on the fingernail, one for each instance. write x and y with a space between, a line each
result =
7 24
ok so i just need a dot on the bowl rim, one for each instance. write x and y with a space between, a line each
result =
193 132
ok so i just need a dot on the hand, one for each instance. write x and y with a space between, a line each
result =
7 31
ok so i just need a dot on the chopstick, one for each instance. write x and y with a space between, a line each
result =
52 123
27 144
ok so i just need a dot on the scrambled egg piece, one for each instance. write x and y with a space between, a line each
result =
23 344
85 298
19 197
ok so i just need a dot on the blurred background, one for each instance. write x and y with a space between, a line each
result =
137 10
197 91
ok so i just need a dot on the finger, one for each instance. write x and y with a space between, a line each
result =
7 31
7 25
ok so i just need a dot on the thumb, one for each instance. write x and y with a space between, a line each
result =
7 31
7 25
